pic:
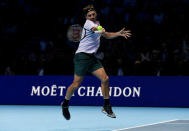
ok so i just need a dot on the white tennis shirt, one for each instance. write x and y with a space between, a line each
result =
90 41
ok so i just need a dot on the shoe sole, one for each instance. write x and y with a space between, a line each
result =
103 111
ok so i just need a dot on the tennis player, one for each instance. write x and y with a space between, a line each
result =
85 60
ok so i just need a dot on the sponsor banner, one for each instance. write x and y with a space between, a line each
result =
124 91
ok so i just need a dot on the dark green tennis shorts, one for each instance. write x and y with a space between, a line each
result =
84 63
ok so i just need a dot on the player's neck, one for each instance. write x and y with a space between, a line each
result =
93 20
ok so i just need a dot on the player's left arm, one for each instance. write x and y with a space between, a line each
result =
111 35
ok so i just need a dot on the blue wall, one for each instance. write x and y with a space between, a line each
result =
125 91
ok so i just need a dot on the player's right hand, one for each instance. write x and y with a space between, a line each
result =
102 31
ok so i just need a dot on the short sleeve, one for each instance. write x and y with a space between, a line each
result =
89 25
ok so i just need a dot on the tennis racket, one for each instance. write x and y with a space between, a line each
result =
74 33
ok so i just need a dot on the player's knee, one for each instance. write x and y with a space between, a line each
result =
105 80
76 84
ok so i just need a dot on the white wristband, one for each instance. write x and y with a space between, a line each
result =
97 31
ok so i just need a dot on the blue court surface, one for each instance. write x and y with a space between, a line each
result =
90 118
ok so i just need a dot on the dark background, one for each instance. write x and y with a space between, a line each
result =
33 36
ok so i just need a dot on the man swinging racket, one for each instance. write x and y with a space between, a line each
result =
85 60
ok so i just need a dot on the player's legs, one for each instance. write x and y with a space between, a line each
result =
65 105
101 74
75 84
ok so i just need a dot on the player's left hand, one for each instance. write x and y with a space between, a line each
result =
125 33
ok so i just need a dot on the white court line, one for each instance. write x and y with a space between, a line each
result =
146 125
177 123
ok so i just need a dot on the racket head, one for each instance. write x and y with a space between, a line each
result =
74 33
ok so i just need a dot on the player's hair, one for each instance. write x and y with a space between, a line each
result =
88 8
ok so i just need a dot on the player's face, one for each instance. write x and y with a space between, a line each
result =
91 15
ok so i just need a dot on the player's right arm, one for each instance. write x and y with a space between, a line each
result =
89 25
93 29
